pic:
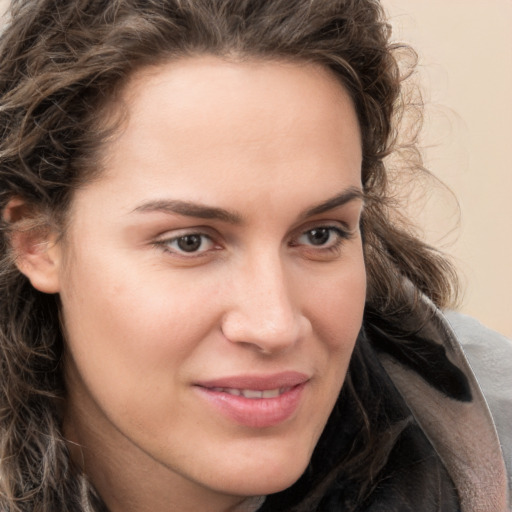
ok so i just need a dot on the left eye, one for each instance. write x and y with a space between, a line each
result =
189 243
321 237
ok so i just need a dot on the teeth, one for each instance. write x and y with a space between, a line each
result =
253 393
271 393
249 393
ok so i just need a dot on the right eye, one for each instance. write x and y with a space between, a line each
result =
188 243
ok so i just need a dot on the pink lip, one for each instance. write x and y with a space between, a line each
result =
256 412
258 382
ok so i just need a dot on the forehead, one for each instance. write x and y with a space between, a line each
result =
208 95
198 122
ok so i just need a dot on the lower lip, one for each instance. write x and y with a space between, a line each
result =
255 412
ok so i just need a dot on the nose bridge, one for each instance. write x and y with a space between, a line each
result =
264 313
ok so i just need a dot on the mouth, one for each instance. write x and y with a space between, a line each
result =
255 401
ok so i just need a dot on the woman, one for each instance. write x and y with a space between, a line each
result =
208 302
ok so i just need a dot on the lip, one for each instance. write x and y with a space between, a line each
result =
257 382
255 412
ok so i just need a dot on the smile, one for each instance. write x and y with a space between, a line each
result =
255 401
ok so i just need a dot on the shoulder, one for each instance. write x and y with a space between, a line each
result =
460 426
488 352
484 348
490 356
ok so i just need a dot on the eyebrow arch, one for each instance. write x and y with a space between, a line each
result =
190 209
348 195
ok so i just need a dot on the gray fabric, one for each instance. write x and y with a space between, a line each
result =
462 432
490 357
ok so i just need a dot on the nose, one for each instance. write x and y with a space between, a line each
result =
264 311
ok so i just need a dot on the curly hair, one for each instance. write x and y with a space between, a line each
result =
62 63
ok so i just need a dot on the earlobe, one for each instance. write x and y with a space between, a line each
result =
35 246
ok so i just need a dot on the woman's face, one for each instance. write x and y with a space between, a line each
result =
212 281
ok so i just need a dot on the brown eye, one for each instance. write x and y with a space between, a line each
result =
318 236
189 243
322 237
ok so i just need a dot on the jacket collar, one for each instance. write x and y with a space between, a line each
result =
462 432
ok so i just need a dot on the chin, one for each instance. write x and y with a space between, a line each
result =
253 485
267 476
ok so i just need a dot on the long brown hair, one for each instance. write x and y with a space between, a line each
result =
62 63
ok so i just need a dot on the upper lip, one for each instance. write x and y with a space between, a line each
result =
285 379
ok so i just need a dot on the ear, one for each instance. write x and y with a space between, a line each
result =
35 246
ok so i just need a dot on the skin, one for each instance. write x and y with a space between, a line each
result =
144 321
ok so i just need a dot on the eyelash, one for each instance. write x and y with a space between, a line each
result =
341 236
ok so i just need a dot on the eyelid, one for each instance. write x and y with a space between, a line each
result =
341 232
342 226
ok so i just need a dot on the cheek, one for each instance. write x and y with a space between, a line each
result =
336 314
336 307
122 323
336 304
118 294
129 337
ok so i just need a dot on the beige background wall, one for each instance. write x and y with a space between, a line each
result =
465 49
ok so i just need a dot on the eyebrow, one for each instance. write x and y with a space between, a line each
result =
191 209
348 195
